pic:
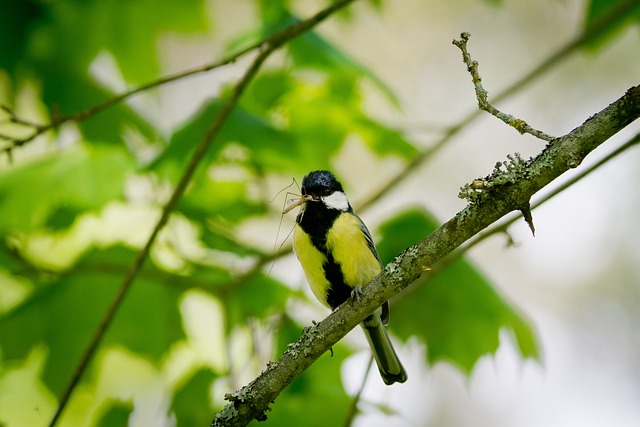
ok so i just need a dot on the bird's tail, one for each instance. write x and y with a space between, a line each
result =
389 365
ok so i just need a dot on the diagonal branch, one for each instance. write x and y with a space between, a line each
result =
567 152
502 227
275 42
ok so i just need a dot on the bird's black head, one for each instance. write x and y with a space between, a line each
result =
319 184
321 190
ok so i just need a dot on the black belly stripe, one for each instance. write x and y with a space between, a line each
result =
316 220
338 291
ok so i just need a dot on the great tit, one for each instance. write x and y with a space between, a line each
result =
338 256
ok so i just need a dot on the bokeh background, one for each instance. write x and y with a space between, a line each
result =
372 88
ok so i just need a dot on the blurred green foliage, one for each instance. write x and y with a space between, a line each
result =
461 314
293 118
601 11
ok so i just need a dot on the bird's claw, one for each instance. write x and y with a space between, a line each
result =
355 293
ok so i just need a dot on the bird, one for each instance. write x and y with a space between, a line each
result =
338 256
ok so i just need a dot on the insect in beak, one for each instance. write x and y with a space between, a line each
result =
294 203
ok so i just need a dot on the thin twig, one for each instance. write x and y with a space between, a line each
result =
483 96
275 42
57 120
599 27
353 408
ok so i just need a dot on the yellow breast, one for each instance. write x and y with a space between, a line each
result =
348 246
312 261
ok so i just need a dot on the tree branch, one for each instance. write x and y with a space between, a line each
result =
273 43
567 152
503 226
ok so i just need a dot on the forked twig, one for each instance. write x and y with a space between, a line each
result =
483 96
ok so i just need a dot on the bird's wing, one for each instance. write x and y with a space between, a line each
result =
369 239
372 247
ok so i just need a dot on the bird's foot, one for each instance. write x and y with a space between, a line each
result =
355 293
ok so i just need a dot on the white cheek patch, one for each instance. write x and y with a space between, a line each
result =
337 200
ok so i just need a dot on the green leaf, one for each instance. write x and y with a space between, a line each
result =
268 92
312 50
191 403
274 12
320 383
81 177
265 144
217 236
125 28
117 415
460 316
130 31
227 200
322 115
62 218
17 19
63 316
286 123
456 312
384 141
39 36
258 297
376 3
68 89
65 312
617 14
403 230
9 262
